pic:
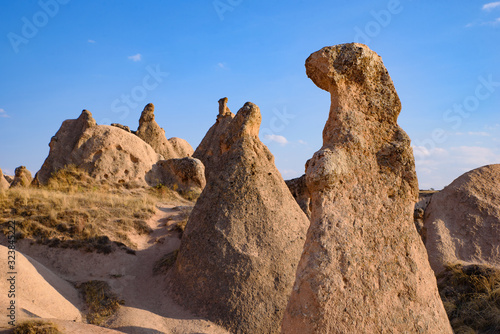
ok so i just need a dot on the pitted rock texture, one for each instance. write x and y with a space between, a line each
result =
154 135
240 249
364 268
209 149
4 184
107 153
183 175
22 177
298 188
462 221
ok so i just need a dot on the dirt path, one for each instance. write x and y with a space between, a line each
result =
148 308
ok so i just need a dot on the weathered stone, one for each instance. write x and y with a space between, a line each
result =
105 152
183 175
462 221
209 149
364 268
4 184
298 188
154 135
123 127
22 177
240 249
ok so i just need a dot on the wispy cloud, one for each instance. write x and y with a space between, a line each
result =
277 138
3 113
136 57
302 142
491 5
91 41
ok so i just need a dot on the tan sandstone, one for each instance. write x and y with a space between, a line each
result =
298 188
4 184
364 268
239 252
209 149
22 177
107 153
154 135
183 175
462 221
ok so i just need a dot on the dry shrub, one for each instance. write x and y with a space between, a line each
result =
36 327
471 296
100 300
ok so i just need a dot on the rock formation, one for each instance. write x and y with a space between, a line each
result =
105 152
209 149
22 177
298 188
240 249
364 268
462 221
184 175
3 181
154 135
123 127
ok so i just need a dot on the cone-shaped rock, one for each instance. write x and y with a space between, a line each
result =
154 135
243 240
22 177
106 152
462 221
209 149
364 268
3 181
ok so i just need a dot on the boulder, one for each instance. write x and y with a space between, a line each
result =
4 184
243 240
364 268
123 127
209 149
462 221
298 188
154 135
184 175
107 153
22 177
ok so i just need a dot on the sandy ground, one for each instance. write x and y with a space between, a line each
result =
147 308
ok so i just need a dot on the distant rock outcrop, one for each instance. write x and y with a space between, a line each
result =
154 135
209 149
240 249
183 175
298 188
3 181
462 221
22 177
123 127
107 153
364 268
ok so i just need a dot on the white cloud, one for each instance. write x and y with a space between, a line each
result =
302 142
437 167
277 138
288 174
221 65
91 41
481 133
3 113
491 5
136 57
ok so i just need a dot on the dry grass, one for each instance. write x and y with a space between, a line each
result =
73 211
36 327
184 215
471 296
100 300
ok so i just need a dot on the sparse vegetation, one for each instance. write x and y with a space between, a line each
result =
471 296
100 300
74 211
165 263
184 215
36 327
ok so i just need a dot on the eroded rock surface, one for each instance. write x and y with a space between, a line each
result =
298 188
240 249
462 221
209 149
22 177
183 175
107 153
364 268
154 135
4 184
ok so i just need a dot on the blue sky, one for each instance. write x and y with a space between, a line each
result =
114 57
